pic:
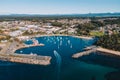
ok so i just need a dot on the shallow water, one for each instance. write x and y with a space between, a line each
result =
63 67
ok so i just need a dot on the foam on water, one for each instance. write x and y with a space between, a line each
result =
58 62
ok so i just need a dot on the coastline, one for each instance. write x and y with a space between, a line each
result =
22 45
82 37
97 49
108 51
49 58
8 54
27 59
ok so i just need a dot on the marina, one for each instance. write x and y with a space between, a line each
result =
55 55
60 40
60 50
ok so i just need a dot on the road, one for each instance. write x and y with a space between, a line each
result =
11 47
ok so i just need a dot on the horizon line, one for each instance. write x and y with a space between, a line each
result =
56 13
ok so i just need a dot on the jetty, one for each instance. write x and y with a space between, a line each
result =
84 53
91 49
8 54
108 52
27 46
84 37
26 58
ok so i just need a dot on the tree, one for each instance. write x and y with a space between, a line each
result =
58 24
110 42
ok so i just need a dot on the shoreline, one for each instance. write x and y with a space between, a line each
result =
82 37
108 51
27 46
11 56
77 55
97 49
22 46
27 59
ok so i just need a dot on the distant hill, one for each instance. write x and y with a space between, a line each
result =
67 15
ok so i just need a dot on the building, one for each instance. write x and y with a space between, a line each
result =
16 33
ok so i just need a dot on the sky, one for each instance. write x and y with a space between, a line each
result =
58 6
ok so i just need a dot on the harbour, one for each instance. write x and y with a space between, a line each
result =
54 59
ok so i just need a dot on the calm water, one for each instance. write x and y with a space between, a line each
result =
92 67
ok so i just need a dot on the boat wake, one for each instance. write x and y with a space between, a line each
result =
58 61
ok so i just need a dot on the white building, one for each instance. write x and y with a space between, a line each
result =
16 33
31 26
23 38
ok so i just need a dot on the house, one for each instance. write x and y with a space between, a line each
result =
16 33
23 37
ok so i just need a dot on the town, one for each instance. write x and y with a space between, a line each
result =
23 29
13 32
60 40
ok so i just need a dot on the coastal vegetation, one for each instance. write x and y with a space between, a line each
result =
90 29
109 42
56 24
2 37
84 29
28 33
96 33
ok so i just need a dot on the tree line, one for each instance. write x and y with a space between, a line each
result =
109 41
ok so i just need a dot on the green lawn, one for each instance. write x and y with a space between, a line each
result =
96 33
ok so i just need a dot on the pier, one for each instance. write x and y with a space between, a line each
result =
27 46
89 47
25 58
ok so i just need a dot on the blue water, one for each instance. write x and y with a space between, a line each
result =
92 67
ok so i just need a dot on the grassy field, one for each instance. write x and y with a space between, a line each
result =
96 33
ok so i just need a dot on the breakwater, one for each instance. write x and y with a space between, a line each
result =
77 55
27 59
92 49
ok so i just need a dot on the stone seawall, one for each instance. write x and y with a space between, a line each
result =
77 55
24 58
92 49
